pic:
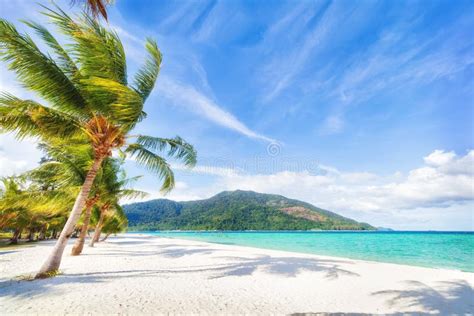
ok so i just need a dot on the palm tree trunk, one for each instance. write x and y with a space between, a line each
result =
42 234
53 262
79 245
31 235
16 235
98 228
76 233
106 236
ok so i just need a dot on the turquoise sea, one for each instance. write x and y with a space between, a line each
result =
450 250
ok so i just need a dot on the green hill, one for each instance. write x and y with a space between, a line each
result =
236 210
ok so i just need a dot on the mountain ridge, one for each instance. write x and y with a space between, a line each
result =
236 210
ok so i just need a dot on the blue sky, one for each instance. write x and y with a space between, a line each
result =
361 107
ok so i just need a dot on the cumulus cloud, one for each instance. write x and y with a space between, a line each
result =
444 183
209 170
17 157
446 178
439 158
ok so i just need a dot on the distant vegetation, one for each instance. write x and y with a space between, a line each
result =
236 210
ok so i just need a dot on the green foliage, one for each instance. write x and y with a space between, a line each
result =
46 275
237 210
147 75
27 205
38 200
84 84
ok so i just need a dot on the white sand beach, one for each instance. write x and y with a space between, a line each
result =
137 274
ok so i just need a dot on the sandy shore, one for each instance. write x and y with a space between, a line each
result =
151 275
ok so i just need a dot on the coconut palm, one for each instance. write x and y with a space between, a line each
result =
30 207
109 187
112 188
96 7
12 215
79 244
115 224
64 168
85 85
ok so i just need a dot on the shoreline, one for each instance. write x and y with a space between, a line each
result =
352 256
142 274
300 253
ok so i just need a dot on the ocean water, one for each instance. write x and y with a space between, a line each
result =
449 250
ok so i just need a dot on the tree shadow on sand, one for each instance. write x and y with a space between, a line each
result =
170 251
231 267
454 297
283 266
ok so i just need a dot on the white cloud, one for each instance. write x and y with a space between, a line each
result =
424 186
421 197
188 96
11 167
180 185
439 158
209 170
17 157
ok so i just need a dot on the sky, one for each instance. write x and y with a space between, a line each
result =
364 108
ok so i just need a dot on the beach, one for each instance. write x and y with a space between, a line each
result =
140 274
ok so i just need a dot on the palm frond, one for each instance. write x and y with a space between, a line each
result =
38 71
132 194
29 118
146 76
66 63
127 181
114 100
176 147
74 160
98 50
154 163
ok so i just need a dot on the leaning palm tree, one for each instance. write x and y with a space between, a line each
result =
115 224
112 188
89 97
96 7
12 216
65 168
109 187
29 207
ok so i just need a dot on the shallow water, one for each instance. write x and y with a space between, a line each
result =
451 250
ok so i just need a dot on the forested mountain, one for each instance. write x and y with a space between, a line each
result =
236 210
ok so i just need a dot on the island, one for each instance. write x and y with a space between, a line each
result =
236 210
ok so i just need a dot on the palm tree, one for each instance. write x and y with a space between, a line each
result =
12 215
115 224
89 97
96 7
109 186
30 207
65 167
79 244
111 190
